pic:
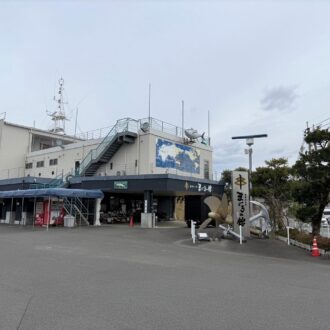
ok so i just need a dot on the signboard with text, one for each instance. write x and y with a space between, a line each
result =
120 184
198 187
240 191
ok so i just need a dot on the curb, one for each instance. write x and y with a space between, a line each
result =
300 245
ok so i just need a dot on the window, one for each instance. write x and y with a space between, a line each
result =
53 162
41 163
28 165
206 169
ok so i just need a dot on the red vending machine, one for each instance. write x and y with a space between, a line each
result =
42 213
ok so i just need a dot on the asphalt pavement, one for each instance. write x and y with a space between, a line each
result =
117 277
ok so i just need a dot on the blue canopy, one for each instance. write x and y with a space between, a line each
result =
52 192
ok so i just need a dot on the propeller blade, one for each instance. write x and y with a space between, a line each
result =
205 223
229 219
212 202
223 210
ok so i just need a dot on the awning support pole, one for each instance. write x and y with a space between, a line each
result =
48 212
34 211
22 222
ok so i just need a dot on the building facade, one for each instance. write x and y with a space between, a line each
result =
146 166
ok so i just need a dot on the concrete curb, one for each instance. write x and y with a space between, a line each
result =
300 245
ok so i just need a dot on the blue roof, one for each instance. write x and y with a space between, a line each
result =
54 192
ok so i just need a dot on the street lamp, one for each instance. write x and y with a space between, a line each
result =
249 141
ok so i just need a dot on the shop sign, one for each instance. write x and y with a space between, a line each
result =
200 187
120 184
240 191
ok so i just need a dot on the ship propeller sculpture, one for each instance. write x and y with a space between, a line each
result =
221 211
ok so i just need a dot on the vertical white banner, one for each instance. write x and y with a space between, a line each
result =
240 191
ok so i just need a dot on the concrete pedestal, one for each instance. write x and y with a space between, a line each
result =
24 217
9 216
147 220
69 221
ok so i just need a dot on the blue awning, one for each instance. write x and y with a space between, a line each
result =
52 192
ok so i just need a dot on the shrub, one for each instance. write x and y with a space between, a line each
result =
307 238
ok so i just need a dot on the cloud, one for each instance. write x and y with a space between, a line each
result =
279 98
228 156
229 148
278 151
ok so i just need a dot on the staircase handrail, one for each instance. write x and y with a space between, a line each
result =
122 125
76 208
81 205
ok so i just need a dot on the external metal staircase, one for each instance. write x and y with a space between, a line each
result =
76 208
125 131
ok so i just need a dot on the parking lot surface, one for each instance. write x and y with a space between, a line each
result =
117 277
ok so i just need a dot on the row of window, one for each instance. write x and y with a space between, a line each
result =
41 163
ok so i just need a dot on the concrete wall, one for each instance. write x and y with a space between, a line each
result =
124 162
131 159
14 145
66 158
148 155
140 157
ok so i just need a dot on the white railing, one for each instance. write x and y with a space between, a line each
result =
162 126
154 123
94 134
11 173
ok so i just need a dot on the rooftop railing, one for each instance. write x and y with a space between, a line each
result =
153 123
162 126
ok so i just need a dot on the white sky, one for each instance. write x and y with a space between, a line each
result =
257 66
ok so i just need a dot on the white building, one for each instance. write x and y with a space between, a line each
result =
135 158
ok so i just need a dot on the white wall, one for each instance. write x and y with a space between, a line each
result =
143 152
66 157
148 155
131 159
14 145
123 161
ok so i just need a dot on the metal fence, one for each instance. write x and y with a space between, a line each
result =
11 173
153 123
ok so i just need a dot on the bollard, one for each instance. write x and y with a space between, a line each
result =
288 233
193 231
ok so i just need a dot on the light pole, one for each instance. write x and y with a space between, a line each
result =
249 141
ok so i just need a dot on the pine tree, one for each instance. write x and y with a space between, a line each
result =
273 184
312 174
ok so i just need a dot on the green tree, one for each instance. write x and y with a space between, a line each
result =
273 184
312 174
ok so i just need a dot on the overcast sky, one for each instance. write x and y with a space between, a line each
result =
256 66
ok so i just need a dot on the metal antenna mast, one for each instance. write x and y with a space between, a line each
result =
58 116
